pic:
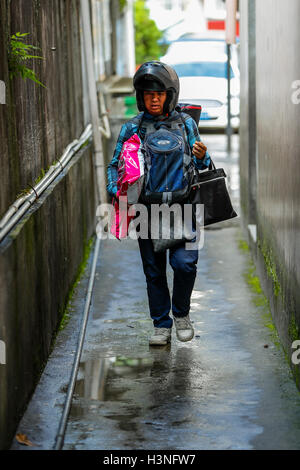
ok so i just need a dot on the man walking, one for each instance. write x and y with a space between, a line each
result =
157 91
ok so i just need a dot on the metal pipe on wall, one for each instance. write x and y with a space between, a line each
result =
22 205
229 128
105 130
231 10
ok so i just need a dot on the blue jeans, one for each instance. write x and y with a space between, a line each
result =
184 265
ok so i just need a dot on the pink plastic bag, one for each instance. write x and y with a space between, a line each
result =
131 169
121 219
130 182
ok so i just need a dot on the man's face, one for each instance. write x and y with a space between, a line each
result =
154 102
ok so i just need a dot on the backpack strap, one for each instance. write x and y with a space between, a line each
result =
148 127
140 120
184 117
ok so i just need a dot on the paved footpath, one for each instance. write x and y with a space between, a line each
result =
223 390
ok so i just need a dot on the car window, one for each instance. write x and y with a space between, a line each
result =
179 52
186 47
203 69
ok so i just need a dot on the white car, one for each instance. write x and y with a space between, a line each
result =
202 70
196 45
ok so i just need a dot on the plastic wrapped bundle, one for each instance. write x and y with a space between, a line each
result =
130 183
131 170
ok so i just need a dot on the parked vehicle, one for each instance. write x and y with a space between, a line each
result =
201 65
203 42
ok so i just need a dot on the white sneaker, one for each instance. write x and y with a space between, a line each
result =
184 328
161 337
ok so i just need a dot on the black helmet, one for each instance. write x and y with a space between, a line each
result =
156 76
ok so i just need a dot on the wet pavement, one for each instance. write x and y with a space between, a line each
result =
223 390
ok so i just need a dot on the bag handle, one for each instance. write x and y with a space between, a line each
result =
211 165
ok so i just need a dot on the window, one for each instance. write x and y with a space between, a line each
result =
203 69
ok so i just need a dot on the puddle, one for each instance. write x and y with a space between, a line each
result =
134 399
116 320
99 379
197 295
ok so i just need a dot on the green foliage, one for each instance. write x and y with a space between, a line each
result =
123 4
24 193
41 176
18 53
147 35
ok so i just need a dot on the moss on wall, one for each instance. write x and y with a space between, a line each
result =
282 287
67 309
283 298
271 267
294 330
259 298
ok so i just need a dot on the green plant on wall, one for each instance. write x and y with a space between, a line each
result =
147 35
19 52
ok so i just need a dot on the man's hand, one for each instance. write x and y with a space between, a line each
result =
199 150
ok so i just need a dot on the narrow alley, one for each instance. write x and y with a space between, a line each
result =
225 389
193 103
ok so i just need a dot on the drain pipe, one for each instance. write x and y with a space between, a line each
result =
98 148
105 131
59 441
21 205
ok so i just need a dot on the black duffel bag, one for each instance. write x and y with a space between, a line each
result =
193 110
209 188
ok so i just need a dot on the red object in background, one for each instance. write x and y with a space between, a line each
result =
216 24
220 25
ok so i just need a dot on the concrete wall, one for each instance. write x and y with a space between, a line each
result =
248 110
244 107
275 182
39 261
40 125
